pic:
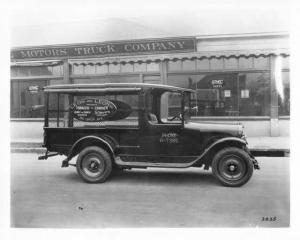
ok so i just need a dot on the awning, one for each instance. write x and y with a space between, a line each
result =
37 63
180 56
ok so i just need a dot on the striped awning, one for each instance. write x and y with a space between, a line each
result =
180 56
37 63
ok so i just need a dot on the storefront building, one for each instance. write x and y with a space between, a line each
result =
241 78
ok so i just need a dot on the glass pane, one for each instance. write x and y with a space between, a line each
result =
254 94
27 99
140 67
90 69
102 69
261 63
245 63
78 69
110 79
124 110
285 62
284 95
189 65
152 79
173 102
57 70
13 71
128 67
152 67
216 93
216 63
58 110
231 63
114 68
203 64
25 71
174 66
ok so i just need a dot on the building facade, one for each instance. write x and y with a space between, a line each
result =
241 78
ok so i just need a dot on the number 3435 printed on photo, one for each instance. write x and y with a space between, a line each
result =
269 219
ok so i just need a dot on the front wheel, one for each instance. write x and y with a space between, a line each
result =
94 164
232 167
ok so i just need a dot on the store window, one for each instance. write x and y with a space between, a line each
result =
139 67
175 66
216 63
127 68
227 94
90 69
114 68
261 63
284 95
109 79
202 64
26 71
254 94
78 69
245 62
189 65
102 69
27 99
231 63
152 67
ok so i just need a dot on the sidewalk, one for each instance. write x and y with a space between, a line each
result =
265 143
269 142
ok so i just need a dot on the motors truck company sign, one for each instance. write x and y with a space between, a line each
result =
105 49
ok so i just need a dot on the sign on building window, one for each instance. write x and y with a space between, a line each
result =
217 83
244 93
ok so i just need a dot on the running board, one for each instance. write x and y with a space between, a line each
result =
119 162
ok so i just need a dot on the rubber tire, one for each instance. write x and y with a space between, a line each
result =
243 156
105 157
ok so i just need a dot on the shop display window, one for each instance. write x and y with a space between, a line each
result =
27 71
227 94
284 95
27 99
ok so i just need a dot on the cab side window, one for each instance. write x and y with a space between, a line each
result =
171 107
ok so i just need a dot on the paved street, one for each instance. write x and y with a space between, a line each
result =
45 195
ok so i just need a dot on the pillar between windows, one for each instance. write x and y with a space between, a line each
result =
164 81
274 122
66 80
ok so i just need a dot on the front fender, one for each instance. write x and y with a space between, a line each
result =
223 142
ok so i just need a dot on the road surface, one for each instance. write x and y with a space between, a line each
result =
45 195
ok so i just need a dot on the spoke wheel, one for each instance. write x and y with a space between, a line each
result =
94 164
232 167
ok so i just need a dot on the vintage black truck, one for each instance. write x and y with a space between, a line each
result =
118 126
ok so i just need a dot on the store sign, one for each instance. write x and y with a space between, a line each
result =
96 110
33 89
106 49
245 93
227 93
218 83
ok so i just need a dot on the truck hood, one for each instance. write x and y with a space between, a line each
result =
234 129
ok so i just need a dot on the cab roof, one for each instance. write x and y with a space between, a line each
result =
111 87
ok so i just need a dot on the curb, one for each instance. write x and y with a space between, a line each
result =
28 150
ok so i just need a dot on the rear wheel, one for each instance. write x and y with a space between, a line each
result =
232 167
94 164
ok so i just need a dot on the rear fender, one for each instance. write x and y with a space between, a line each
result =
90 141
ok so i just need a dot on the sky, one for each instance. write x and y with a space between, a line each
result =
80 22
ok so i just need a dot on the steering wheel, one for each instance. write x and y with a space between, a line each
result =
179 116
